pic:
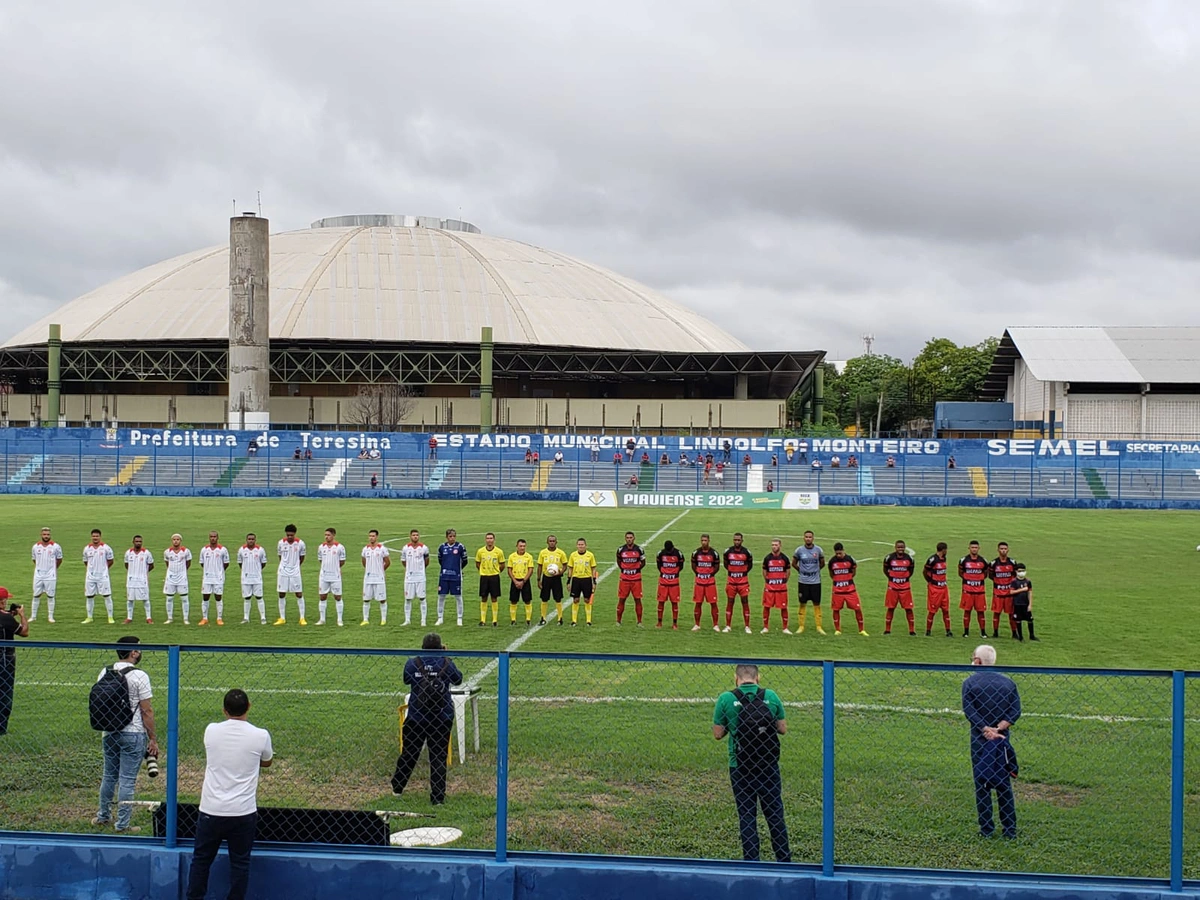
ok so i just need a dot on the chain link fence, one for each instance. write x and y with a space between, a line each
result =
618 756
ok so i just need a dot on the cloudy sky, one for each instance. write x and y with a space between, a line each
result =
930 167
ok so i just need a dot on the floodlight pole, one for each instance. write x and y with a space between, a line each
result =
485 380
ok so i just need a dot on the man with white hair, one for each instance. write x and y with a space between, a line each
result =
992 704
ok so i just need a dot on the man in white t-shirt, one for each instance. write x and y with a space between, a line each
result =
178 560
138 564
375 560
234 751
124 750
415 556
331 556
97 559
214 560
291 551
252 559
47 557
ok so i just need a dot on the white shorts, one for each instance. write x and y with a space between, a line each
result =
374 592
45 586
136 592
288 584
252 589
94 586
329 587
171 588
414 590
213 587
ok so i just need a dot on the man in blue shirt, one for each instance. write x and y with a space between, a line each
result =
429 718
452 557
809 560
991 704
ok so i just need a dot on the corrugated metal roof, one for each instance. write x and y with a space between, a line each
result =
1133 355
393 284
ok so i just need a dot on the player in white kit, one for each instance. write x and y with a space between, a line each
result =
291 551
47 557
138 563
332 556
214 560
178 559
97 559
375 560
252 558
415 556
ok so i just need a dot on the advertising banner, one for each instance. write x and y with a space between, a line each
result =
806 500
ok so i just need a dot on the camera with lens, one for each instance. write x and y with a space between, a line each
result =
151 766
13 607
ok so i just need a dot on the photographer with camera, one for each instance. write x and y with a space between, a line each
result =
12 624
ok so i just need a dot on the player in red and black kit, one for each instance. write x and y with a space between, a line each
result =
738 563
775 566
842 569
670 565
1002 571
937 592
973 570
899 568
630 562
705 564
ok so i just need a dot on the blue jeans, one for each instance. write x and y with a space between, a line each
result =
123 755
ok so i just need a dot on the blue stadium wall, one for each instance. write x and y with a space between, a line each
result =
117 869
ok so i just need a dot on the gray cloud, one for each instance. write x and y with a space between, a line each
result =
835 167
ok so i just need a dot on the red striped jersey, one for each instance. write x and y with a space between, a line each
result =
841 573
1003 573
738 563
775 569
935 570
670 564
630 562
899 568
705 563
973 571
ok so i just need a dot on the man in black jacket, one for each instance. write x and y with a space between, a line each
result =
430 717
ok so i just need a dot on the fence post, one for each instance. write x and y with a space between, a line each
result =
502 760
827 750
1162 478
172 791
1178 709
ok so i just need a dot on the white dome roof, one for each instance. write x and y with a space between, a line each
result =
393 282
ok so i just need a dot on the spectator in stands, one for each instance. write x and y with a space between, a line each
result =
770 486
433 445
252 448
664 460
374 480
891 462
683 459
746 460
992 704
645 458
429 718
594 446
528 456
708 459
835 462
374 453
558 457
951 464
707 472
775 460
633 480
618 458
720 473
537 457
362 454
727 450
789 451
308 453
630 446
296 453
816 464
852 462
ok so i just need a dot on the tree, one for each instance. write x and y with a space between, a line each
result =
867 390
383 406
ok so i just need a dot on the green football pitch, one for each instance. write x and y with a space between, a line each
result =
615 756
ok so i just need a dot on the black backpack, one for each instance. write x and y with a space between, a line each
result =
756 741
429 691
108 701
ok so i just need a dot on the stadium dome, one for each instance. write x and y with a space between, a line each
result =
392 279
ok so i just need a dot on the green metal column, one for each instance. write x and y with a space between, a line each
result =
819 396
54 382
485 380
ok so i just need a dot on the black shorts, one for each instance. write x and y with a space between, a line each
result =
516 594
489 587
552 587
810 593
1021 612
581 587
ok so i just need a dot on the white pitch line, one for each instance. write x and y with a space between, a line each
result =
487 670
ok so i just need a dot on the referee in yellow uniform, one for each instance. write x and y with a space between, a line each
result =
520 572
582 566
489 560
551 585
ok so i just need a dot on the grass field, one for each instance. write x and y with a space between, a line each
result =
615 756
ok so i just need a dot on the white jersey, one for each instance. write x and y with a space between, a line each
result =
45 560
138 563
331 557
213 561
252 560
177 561
97 559
416 558
374 557
290 554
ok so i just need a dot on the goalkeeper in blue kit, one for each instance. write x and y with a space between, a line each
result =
452 557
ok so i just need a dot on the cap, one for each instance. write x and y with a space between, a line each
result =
4 594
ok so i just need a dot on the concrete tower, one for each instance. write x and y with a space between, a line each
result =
249 323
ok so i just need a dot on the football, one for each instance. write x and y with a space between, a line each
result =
551 569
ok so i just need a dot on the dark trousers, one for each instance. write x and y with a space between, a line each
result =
8 677
238 834
419 733
1004 799
755 786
